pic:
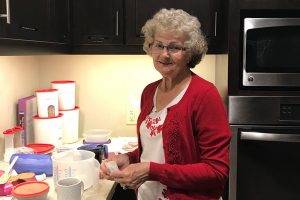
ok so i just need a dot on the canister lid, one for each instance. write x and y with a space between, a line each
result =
30 189
37 117
41 148
47 90
18 128
62 81
8 132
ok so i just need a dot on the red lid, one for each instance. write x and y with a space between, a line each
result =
62 81
37 116
30 189
40 148
76 108
18 128
47 90
9 132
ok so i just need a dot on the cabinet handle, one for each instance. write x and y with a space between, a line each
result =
28 28
95 38
117 23
216 23
7 14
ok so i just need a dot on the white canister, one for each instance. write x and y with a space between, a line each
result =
70 125
48 130
66 94
47 102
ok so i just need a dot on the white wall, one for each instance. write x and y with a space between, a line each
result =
221 78
105 84
19 76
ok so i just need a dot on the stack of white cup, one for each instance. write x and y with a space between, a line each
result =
48 123
67 106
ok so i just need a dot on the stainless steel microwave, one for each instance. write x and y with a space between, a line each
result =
271 52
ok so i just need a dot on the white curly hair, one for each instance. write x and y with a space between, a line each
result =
177 21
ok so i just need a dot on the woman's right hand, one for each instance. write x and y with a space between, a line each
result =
122 161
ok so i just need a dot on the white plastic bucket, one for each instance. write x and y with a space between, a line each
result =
70 125
48 130
47 103
76 163
66 94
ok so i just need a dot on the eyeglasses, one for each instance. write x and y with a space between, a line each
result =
158 47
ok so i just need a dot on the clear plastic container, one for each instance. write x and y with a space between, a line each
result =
77 163
97 135
8 138
18 131
13 137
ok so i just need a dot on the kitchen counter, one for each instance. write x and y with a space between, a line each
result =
104 190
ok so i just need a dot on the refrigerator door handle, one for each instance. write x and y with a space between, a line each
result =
260 136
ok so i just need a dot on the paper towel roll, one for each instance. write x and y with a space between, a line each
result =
48 130
70 125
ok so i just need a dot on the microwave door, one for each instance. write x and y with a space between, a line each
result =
270 52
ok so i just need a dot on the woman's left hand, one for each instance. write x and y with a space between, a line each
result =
133 175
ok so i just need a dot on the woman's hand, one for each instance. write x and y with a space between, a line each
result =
122 161
133 175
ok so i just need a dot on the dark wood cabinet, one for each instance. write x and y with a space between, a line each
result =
59 25
36 20
209 13
99 27
98 22
28 20
3 17
114 26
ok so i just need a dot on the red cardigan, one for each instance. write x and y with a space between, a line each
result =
196 139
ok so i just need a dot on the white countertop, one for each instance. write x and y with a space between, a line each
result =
103 190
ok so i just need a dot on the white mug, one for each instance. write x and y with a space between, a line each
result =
69 189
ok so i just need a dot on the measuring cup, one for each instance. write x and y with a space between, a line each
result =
76 163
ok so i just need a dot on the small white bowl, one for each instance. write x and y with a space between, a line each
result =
97 135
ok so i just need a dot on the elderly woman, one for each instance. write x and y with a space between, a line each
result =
183 131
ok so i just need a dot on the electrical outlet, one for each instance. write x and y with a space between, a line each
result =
131 115
132 109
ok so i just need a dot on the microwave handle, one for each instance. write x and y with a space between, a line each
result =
273 137
253 23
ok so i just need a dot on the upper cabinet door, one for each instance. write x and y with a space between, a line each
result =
207 11
3 17
28 19
98 22
59 26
